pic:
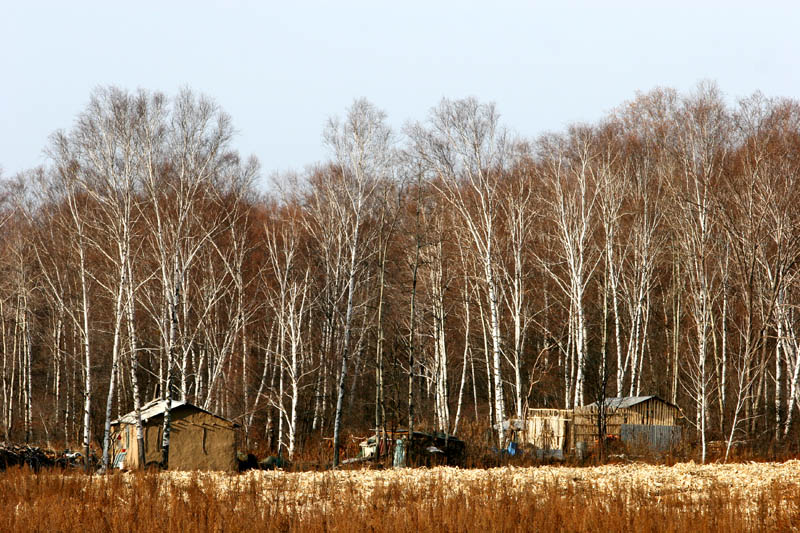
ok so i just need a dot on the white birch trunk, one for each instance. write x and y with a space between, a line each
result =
115 349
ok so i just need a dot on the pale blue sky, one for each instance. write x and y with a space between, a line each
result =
280 69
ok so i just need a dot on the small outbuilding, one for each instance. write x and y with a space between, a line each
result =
199 439
644 422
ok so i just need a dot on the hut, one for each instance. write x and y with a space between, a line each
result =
645 422
199 439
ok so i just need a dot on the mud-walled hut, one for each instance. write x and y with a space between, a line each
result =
199 439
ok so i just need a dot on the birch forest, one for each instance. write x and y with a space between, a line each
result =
444 273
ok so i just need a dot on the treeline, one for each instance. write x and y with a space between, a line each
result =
419 278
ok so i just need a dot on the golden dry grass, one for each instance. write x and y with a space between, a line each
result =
634 497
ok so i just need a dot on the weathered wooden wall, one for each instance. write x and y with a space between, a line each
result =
655 438
553 429
548 429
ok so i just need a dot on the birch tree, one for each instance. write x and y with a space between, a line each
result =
436 282
362 147
76 226
613 186
463 149
186 151
518 213
571 200
647 167
18 287
104 144
389 218
762 229
700 152
290 301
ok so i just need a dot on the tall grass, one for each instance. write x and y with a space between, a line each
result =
333 501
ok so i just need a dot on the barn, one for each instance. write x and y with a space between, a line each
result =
199 439
643 422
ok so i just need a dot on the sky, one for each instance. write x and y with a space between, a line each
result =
281 69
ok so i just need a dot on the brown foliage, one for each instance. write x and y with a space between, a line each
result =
421 500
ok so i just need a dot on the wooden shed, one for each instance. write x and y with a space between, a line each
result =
650 410
199 439
646 421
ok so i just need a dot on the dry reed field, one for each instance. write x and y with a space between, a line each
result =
631 497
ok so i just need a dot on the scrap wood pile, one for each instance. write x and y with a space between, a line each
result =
35 457
18 455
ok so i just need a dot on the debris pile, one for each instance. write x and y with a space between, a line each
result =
248 461
18 455
36 458
425 449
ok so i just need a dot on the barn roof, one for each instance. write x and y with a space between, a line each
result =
156 408
629 401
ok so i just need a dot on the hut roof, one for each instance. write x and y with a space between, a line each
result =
629 401
157 407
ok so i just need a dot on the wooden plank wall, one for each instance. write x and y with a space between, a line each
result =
584 424
547 432
562 428
654 437
653 412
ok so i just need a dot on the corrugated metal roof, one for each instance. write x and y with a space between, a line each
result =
628 401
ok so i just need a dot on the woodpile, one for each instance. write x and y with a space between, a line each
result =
35 457
18 455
